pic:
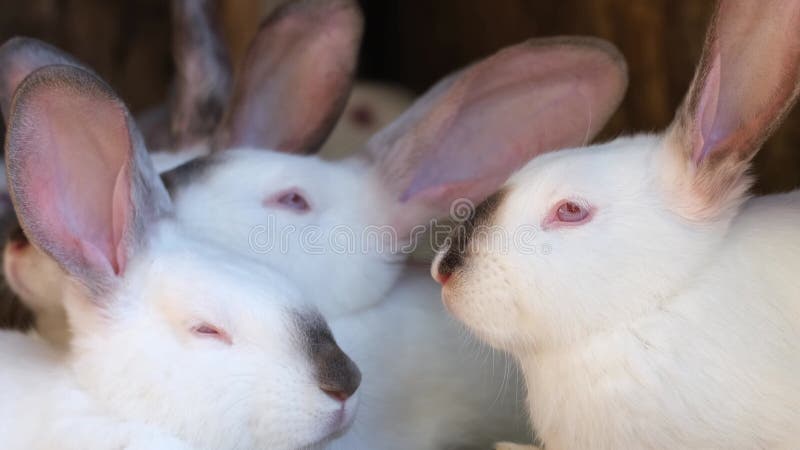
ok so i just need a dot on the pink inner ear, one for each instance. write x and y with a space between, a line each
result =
709 131
751 65
120 216
77 179
295 78
492 135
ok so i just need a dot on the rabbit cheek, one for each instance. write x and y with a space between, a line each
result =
483 299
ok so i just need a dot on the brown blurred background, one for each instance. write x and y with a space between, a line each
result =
413 43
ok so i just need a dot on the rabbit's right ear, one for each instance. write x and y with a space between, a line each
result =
19 57
746 81
471 131
295 78
203 72
82 183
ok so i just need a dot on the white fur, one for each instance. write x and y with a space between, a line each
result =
642 329
135 361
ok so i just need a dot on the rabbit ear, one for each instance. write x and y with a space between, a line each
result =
746 81
203 72
295 78
83 186
466 136
19 57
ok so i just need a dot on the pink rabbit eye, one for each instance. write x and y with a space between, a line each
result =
292 200
210 331
571 212
568 213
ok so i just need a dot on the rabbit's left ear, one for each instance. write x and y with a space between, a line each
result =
295 78
745 83
83 186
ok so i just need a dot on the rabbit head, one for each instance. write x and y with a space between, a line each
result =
168 329
331 226
585 239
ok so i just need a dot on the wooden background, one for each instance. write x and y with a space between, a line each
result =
415 42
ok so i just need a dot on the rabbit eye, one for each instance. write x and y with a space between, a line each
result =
292 200
569 213
207 330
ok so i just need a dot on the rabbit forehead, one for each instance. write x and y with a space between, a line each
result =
600 173
249 169
180 273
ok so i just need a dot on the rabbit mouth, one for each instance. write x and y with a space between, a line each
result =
342 419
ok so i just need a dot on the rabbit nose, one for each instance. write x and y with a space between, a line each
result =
337 375
452 257
442 272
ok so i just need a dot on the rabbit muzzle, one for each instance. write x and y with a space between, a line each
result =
456 249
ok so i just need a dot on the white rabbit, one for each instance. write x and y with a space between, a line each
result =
656 306
175 338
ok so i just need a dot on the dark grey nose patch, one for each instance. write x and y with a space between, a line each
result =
462 234
187 173
336 373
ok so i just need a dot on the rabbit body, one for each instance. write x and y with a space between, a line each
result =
711 364
424 385
33 375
